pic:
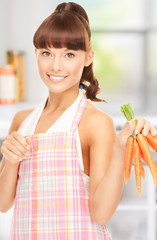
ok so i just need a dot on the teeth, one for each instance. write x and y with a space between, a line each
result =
57 78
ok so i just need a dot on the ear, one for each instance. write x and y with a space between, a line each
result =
89 57
35 51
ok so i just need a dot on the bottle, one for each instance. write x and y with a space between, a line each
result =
16 59
7 85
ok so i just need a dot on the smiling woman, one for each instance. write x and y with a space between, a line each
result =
63 163
69 31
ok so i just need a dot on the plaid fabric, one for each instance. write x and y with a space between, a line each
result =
51 201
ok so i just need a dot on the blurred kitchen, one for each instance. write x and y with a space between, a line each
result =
124 38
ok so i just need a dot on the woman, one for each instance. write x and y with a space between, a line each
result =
63 163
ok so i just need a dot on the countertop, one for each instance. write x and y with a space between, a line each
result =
8 111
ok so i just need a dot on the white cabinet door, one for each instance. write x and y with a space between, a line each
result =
5 224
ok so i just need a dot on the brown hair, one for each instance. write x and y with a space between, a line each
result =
68 26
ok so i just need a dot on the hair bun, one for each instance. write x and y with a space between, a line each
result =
73 8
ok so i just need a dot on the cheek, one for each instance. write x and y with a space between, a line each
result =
77 69
41 66
41 70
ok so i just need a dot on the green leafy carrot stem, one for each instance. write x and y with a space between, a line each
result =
127 110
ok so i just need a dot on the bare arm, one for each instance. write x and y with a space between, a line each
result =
2 165
107 158
13 150
108 193
8 179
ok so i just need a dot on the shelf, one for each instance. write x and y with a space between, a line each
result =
8 111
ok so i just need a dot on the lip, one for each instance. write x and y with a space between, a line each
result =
55 78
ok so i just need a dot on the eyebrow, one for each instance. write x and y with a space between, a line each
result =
65 49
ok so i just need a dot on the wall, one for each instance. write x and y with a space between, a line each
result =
19 20
4 30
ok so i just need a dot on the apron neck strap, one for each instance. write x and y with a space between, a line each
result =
79 113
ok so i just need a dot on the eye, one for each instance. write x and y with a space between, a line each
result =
69 55
46 54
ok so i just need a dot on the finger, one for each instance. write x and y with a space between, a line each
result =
13 148
16 143
128 129
146 128
19 138
11 157
153 131
132 125
29 141
140 124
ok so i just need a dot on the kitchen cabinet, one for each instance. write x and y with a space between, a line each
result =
136 217
5 224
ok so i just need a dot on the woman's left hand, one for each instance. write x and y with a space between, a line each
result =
143 126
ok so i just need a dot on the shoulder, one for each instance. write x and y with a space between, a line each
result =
97 123
96 116
18 118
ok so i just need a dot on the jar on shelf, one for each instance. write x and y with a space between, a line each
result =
16 59
7 85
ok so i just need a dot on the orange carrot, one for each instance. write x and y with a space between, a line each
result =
139 149
152 140
142 169
143 157
137 165
141 166
128 158
147 156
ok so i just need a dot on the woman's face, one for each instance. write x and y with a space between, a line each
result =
61 68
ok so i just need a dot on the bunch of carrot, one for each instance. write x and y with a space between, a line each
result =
138 148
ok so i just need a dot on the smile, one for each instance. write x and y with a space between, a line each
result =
56 78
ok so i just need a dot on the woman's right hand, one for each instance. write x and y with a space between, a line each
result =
16 147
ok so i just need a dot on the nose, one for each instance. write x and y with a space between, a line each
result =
57 64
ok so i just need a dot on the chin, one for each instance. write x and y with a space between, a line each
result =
61 89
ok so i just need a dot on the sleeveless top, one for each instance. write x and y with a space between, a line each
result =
51 200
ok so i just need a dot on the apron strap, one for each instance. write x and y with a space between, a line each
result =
79 113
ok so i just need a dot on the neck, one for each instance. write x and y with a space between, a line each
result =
61 101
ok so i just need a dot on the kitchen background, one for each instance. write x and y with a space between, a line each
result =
124 38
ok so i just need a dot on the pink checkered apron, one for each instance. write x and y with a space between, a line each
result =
51 200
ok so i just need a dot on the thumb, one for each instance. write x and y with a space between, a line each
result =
132 126
29 140
128 129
